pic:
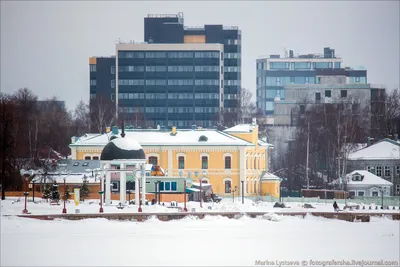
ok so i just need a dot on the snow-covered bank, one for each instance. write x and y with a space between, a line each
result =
210 241
11 206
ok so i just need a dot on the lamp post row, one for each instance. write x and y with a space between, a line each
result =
30 174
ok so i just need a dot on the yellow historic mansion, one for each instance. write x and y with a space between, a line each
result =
225 158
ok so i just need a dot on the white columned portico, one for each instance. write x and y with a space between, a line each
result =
242 169
143 184
122 184
137 189
108 184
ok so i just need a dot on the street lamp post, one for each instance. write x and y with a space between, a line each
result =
33 191
184 190
201 185
101 192
242 191
382 191
26 175
140 202
159 191
65 195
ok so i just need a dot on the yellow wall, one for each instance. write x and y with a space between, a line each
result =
270 188
216 172
194 39
250 137
256 163
92 60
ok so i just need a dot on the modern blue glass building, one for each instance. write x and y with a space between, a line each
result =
170 84
274 72
179 76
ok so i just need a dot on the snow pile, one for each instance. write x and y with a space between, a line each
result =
271 217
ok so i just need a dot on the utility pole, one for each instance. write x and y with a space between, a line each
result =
308 151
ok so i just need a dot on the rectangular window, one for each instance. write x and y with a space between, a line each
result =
115 186
92 67
181 162
337 65
398 170
112 69
279 65
302 109
343 93
153 160
317 96
173 186
328 93
379 171
227 162
375 193
371 169
360 193
387 171
204 162
322 65
92 82
227 187
113 84
302 65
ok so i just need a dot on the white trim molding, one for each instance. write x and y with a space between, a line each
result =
225 180
205 155
153 155
180 154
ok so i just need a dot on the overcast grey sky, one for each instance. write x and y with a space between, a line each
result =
45 45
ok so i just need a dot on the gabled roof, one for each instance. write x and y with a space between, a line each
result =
269 177
368 179
384 149
241 128
160 137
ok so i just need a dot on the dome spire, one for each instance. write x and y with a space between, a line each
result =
123 128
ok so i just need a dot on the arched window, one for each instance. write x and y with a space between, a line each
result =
88 158
181 162
153 160
204 162
228 185
227 162
95 158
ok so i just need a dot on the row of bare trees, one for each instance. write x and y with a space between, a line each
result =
35 134
327 133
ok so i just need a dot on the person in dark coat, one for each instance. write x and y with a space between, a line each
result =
335 206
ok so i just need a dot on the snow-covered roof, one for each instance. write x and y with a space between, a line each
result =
263 143
369 179
269 177
70 179
160 137
384 149
241 128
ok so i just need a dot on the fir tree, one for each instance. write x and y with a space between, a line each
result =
84 190
46 192
66 193
55 194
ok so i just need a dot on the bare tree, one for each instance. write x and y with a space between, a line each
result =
82 118
102 113
246 106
